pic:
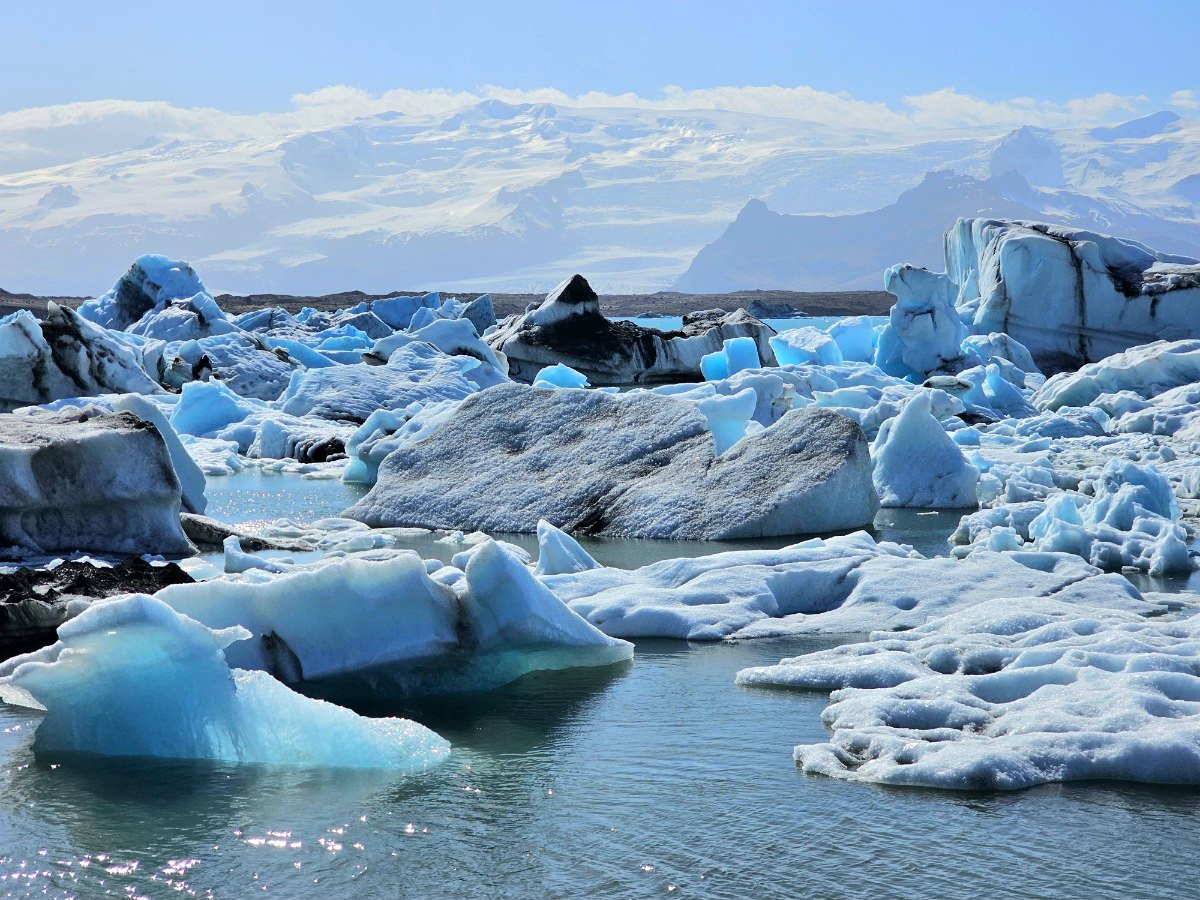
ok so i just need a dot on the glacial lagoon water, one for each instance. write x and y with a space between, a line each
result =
659 777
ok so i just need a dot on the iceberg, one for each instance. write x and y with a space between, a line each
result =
64 356
416 372
1145 371
804 345
151 282
87 480
131 677
378 623
569 328
1071 296
736 355
916 464
924 333
633 465
856 338
559 553
1128 518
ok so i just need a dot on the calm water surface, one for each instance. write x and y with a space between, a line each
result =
657 778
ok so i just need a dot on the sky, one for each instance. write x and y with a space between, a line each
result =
255 57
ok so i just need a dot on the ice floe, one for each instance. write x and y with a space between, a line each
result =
1009 694
846 584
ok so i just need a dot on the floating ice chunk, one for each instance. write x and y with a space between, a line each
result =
416 372
454 337
987 347
184 320
1146 370
560 376
379 624
856 337
480 313
728 416
636 464
131 677
1009 694
924 333
87 480
990 390
152 281
64 356
398 311
237 560
1069 295
568 328
242 361
206 407
559 553
1127 518
805 345
736 355
917 464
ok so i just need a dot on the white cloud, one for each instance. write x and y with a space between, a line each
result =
947 108
52 135
1185 100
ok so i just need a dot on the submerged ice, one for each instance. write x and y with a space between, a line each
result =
131 677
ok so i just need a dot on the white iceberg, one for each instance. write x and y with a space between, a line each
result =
366 624
916 464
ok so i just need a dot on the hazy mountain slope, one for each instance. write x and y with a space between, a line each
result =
765 249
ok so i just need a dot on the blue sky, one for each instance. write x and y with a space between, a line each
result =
253 56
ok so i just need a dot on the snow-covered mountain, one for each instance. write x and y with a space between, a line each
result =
1129 180
511 196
